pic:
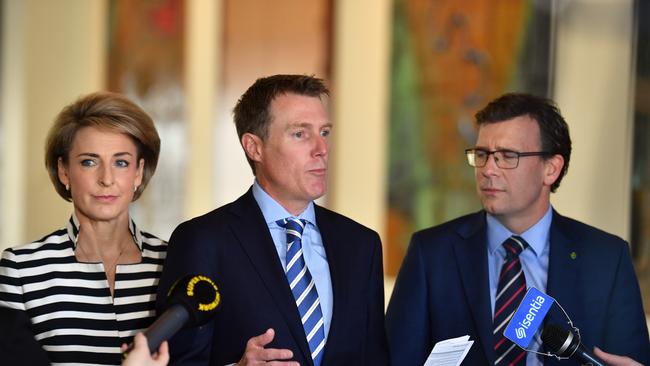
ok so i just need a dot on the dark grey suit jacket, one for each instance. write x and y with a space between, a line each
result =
442 291
233 246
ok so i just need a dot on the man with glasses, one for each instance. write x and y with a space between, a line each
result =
467 276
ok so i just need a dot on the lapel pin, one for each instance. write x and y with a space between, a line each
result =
573 255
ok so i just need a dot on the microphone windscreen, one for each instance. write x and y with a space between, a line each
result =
558 340
192 301
199 295
564 343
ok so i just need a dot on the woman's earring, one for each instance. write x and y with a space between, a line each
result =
67 187
135 189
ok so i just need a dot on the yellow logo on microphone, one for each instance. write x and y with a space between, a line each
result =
190 292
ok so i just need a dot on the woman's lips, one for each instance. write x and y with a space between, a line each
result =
105 198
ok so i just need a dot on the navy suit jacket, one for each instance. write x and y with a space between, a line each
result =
442 291
233 246
18 346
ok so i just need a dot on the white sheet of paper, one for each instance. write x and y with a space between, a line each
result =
449 352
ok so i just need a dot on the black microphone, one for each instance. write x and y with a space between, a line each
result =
192 301
564 343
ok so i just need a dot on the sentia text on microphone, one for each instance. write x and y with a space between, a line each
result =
528 317
533 309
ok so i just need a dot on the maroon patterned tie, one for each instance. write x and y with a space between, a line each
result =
510 291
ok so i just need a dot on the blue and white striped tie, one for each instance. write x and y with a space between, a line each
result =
303 289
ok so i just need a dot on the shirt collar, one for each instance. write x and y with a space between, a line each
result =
536 236
273 211
73 231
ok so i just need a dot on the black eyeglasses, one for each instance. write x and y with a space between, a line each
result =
505 159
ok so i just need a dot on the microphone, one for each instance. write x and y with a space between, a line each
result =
563 343
192 301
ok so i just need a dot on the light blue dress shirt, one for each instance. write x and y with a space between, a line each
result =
312 247
534 260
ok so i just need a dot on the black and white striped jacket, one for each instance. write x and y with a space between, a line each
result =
69 303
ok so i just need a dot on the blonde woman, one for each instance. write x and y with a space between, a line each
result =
90 286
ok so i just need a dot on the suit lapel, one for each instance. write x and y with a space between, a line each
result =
253 235
335 256
563 267
471 256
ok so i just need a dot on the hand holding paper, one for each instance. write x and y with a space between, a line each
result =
449 352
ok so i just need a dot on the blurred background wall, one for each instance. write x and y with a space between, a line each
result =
406 77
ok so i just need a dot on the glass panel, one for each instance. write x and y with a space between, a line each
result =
640 237
263 38
2 132
2 161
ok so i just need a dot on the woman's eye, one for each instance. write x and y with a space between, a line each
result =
122 163
88 162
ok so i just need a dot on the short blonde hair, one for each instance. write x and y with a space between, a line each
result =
106 110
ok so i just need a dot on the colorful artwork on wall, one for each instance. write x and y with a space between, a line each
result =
145 62
449 59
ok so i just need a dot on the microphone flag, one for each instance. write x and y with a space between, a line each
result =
528 318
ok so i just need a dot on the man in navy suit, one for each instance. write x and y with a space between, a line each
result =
447 285
284 129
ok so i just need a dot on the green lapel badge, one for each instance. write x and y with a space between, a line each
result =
573 255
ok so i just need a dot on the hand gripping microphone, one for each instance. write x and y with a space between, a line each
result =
564 343
192 301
